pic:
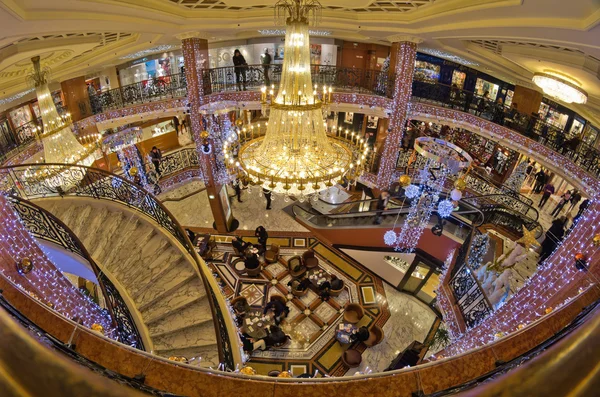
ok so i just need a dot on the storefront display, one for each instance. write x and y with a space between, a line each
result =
482 87
426 72
6 138
458 79
577 127
21 119
509 97
590 135
372 122
552 116
147 68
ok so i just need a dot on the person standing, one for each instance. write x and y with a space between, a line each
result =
582 207
267 194
237 186
382 204
540 179
553 236
176 124
262 235
564 199
574 200
156 157
240 66
548 191
266 64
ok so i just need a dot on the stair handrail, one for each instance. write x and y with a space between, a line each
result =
25 181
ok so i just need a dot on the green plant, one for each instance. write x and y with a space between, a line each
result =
440 339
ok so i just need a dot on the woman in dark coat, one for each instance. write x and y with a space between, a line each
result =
240 66
553 237
262 235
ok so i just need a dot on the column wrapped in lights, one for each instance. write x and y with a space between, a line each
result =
405 65
44 282
193 49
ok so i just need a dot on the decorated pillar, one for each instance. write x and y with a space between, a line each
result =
195 55
402 61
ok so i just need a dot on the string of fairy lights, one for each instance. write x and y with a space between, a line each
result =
44 282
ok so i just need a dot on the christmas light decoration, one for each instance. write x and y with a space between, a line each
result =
445 208
479 247
44 281
150 51
412 191
405 66
390 237
448 56
281 32
16 96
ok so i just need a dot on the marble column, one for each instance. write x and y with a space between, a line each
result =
195 55
402 63
76 97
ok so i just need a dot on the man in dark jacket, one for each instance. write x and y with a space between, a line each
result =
540 179
156 157
382 204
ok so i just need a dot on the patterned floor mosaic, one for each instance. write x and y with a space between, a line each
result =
311 323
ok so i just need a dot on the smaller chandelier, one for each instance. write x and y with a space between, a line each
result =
559 88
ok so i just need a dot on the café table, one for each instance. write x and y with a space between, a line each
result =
344 332
318 276
256 324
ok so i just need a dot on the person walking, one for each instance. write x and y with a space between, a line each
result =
540 179
553 236
267 194
548 191
266 64
564 199
382 204
240 66
156 157
262 235
574 200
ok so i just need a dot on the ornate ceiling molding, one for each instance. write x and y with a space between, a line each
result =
193 35
398 38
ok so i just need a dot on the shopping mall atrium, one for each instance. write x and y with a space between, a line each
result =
287 198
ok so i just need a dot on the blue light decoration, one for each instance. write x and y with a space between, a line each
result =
412 191
390 237
445 208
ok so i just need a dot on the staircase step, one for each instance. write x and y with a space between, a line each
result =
161 305
125 228
95 227
156 270
139 260
76 218
187 338
110 230
194 314
175 276
209 355
131 251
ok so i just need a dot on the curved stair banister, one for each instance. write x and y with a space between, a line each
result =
45 226
82 181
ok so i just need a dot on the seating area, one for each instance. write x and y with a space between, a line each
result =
291 291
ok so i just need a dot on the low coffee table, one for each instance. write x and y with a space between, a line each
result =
344 333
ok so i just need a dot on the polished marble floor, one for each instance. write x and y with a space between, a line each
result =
194 211
312 322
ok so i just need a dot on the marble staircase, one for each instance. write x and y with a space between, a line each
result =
158 278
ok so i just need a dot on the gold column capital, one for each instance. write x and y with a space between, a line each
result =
397 38
193 35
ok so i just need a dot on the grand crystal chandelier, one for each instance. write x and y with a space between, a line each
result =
559 87
61 147
60 144
292 153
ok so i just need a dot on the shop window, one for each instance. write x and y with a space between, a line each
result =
458 79
482 86
427 72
